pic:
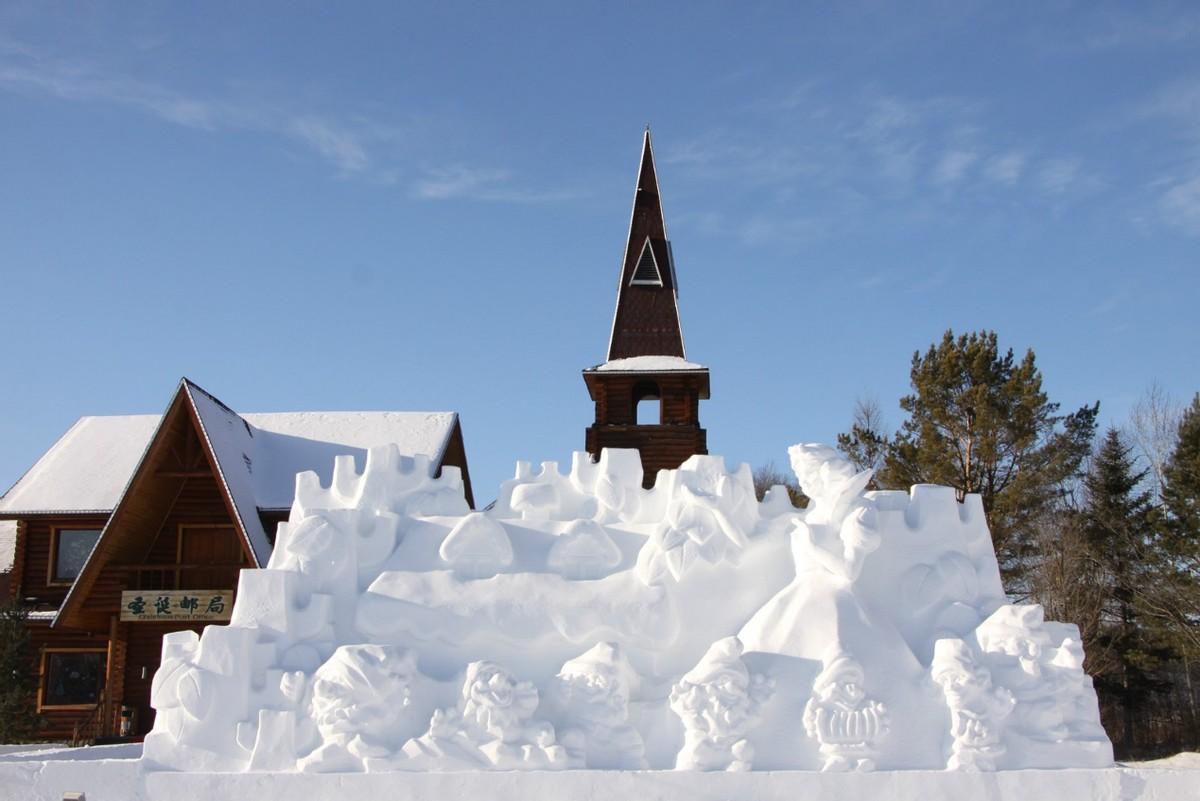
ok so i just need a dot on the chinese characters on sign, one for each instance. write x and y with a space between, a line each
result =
177 605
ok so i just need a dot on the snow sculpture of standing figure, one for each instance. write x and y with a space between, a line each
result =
592 692
977 709
846 723
492 727
829 544
717 701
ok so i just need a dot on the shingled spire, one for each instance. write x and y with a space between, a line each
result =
647 395
646 320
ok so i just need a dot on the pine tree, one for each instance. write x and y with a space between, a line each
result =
1180 589
1119 528
979 421
18 679
1181 491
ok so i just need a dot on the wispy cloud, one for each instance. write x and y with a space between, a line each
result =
354 145
863 154
487 184
328 138
336 144
1005 168
1178 191
953 166
1181 205
1058 175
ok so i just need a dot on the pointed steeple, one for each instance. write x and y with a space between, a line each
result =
646 320
647 394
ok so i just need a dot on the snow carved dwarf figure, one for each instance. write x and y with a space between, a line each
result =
977 709
717 701
846 723
592 691
359 698
492 727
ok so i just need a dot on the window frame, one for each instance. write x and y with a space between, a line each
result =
633 280
44 677
52 579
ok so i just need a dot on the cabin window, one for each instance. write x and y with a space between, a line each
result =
72 678
69 551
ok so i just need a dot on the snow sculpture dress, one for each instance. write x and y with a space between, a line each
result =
817 609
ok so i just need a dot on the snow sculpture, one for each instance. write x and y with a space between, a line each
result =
683 626
359 697
477 547
1041 664
708 511
492 727
839 715
829 546
583 551
977 709
718 700
591 692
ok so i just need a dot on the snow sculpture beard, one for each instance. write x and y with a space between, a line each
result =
977 709
839 715
718 701
495 703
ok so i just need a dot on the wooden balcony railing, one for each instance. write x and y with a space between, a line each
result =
181 576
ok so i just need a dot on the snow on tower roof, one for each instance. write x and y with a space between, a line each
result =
87 469
647 364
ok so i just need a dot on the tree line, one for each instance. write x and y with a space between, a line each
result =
1102 529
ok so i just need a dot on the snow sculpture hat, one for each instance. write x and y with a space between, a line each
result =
605 659
724 657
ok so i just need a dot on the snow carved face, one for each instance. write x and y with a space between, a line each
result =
819 468
362 690
720 705
496 702
842 686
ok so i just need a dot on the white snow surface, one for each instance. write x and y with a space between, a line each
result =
647 364
87 469
586 623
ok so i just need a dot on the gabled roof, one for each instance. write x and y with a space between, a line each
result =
646 318
87 469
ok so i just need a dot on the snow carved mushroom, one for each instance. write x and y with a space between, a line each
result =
477 547
583 551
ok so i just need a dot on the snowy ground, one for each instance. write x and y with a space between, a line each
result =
113 773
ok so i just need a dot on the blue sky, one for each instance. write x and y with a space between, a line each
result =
424 207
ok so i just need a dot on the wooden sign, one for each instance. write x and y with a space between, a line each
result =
176 605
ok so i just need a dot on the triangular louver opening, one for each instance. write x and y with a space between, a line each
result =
646 271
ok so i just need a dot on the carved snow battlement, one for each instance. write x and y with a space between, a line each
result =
389 481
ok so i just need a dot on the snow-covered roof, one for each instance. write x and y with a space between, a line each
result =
89 466
647 364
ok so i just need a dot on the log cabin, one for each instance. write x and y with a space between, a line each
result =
130 527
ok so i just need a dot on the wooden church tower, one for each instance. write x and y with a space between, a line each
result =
647 394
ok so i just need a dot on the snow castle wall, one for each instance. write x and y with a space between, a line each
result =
584 622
